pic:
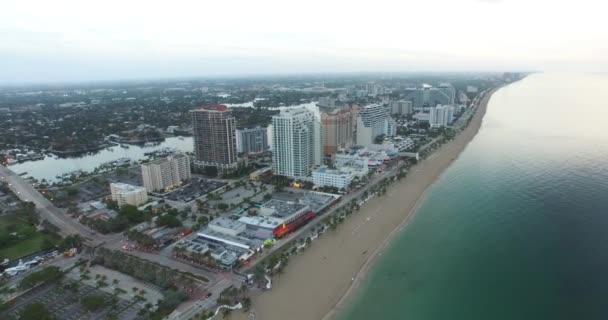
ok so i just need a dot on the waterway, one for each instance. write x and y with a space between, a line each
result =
517 227
51 166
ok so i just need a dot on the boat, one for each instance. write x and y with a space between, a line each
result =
124 146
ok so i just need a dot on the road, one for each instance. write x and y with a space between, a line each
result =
344 201
47 210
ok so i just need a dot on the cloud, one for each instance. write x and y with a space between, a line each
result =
120 38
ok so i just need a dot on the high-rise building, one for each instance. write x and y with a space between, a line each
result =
254 140
428 96
401 107
441 116
326 102
123 194
297 142
165 173
338 129
374 120
214 131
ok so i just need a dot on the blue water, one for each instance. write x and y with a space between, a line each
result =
517 227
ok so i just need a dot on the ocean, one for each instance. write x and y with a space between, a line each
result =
517 226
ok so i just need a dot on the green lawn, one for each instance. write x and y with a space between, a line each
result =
34 243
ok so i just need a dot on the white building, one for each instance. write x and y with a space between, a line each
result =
401 107
326 177
326 102
123 194
227 226
441 116
374 120
167 172
394 145
252 140
297 142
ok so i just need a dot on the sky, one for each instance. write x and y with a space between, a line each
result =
68 41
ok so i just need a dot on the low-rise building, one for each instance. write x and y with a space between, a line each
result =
123 194
327 177
286 210
227 226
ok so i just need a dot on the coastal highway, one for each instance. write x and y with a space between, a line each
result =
47 210
391 171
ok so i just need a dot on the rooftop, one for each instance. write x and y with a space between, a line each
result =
126 187
165 159
233 243
267 222
327 170
226 223
214 107
284 209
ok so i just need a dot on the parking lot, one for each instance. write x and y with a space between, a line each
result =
124 282
197 188
65 304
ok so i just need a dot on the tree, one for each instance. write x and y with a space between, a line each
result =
246 304
203 220
169 221
222 206
71 241
210 171
35 311
227 313
131 213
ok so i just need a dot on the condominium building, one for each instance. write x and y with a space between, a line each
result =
124 194
441 116
401 107
374 120
166 173
338 130
297 142
214 132
428 96
254 140
326 102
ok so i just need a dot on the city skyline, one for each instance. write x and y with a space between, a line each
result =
71 41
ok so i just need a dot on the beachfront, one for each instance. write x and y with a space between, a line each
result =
319 282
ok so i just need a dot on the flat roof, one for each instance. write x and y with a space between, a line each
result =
126 187
332 171
213 107
284 209
227 223
235 241
268 222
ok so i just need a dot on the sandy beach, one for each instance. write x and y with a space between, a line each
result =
318 283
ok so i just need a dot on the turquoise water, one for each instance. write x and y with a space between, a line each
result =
517 227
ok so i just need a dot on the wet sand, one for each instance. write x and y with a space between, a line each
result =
318 283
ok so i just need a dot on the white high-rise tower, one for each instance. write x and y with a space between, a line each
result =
297 142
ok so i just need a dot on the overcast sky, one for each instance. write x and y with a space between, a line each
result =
59 40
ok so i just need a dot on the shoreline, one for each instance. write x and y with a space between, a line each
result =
322 281
349 295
